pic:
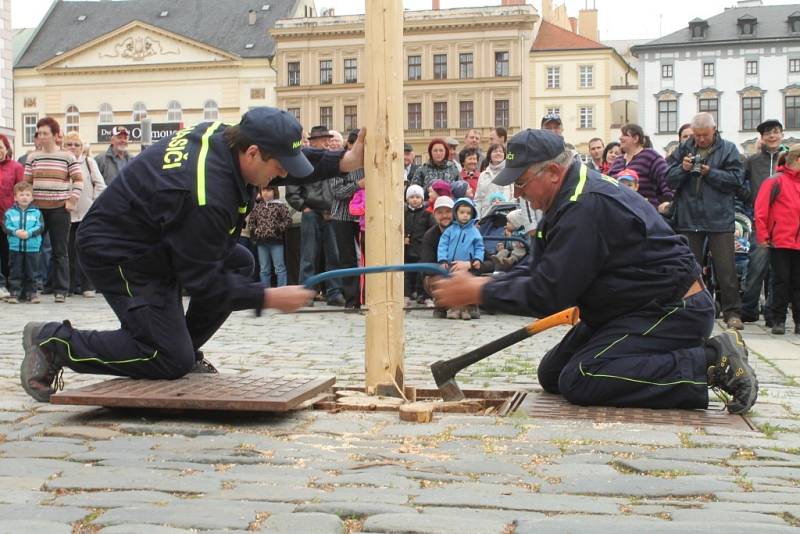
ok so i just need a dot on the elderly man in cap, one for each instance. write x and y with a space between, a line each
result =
645 314
171 222
315 201
452 155
116 157
409 167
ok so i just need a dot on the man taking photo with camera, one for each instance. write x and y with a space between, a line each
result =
705 176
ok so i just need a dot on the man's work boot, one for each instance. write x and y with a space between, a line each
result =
40 372
778 329
731 373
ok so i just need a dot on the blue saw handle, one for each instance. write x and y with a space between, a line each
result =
430 268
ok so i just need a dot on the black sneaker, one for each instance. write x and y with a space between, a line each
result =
779 329
40 372
731 373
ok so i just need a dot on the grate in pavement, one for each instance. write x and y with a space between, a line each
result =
200 392
548 406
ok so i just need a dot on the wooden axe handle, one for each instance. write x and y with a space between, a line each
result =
569 316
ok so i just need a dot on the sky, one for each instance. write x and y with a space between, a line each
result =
618 19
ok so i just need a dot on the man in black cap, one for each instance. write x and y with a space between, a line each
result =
116 157
409 167
758 168
552 122
319 137
171 222
645 315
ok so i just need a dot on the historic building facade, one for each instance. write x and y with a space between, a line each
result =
462 68
588 84
742 66
94 65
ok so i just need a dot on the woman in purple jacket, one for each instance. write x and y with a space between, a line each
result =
649 164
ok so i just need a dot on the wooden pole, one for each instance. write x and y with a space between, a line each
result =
383 166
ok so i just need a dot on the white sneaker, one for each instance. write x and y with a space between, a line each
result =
4 294
89 294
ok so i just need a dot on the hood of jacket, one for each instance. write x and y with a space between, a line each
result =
464 201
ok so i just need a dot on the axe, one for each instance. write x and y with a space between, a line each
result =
444 371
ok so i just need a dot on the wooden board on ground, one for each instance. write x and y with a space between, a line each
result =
225 392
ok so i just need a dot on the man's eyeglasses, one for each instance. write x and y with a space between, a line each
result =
72 144
522 184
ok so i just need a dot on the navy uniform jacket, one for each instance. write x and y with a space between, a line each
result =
175 213
602 247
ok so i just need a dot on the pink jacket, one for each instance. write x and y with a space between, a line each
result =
358 207
11 173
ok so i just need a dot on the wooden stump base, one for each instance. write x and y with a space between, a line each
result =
417 412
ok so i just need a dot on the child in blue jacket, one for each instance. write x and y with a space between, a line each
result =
23 225
462 242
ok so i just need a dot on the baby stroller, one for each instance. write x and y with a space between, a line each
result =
743 229
492 227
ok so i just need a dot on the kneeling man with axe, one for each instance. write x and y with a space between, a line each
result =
646 317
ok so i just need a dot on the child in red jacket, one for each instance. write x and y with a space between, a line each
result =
777 210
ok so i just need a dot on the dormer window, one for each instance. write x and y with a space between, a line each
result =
698 28
794 22
747 25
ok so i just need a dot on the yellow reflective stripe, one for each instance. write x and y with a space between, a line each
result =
201 164
581 183
77 359
232 230
127 286
243 209
638 381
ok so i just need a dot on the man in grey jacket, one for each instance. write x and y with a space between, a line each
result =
116 157
706 174
758 168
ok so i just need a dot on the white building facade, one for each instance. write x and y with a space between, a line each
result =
742 66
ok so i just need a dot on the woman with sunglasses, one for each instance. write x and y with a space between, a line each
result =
93 186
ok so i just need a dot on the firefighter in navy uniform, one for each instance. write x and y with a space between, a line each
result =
170 221
643 340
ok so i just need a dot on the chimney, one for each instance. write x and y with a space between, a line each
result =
435 5
587 24
251 17
512 3
573 22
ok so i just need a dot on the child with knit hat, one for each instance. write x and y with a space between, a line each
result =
510 253
438 188
417 222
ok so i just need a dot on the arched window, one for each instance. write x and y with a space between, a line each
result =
139 112
210 110
73 119
106 114
174 111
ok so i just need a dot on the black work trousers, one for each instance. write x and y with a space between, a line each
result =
155 339
78 281
651 358
785 265
721 246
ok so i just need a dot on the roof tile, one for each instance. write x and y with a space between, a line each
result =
552 37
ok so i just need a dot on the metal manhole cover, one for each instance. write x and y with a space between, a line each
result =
548 406
200 392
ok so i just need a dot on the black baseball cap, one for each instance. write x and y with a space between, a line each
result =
767 125
278 134
526 148
408 148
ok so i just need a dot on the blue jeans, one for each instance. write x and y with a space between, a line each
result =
271 255
316 233
757 269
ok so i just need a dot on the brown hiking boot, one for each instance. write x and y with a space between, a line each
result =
40 372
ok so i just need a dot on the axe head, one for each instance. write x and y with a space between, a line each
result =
446 381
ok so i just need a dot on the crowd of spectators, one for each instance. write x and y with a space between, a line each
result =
454 214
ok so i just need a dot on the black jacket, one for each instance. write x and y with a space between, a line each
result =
166 217
706 203
316 195
758 168
429 249
417 223
602 247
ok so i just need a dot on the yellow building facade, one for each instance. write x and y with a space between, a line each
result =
589 85
159 65
462 68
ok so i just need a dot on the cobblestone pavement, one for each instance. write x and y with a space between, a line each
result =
78 469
